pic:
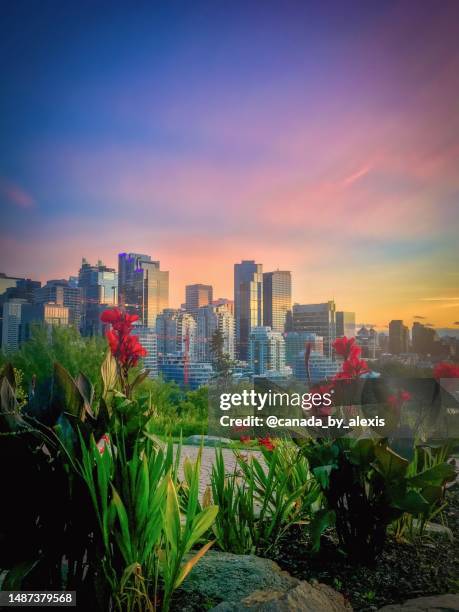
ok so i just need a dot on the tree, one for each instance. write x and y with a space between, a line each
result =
220 360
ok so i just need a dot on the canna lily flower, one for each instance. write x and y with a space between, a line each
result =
267 443
446 370
345 347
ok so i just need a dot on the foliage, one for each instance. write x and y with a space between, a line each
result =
260 499
136 503
220 360
64 345
367 486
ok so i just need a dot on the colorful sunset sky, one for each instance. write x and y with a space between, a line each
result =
316 137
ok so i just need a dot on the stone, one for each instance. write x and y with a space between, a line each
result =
432 603
248 582
304 597
197 440
225 576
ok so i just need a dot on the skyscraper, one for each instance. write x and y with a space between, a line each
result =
398 337
60 292
166 331
211 318
277 299
143 288
197 296
425 339
99 289
317 319
345 324
266 351
248 302
11 327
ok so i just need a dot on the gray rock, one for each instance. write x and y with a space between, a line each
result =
250 583
224 576
197 440
304 597
433 603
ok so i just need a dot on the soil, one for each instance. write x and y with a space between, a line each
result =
427 566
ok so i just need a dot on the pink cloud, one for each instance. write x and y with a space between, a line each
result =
15 195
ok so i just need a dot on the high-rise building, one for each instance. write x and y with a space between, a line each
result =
166 331
224 302
12 288
186 335
367 339
398 337
266 351
277 299
99 289
210 318
424 339
345 324
295 343
197 296
143 288
317 319
60 292
320 367
147 338
248 302
7 281
176 333
172 368
11 327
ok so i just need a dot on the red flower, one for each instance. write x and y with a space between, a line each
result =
397 400
126 348
266 442
352 367
345 347
446 370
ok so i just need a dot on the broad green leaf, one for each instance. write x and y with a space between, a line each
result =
322 520
436 476
125 536
109 373
389 464
66 396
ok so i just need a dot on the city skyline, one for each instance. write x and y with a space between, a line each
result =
321 140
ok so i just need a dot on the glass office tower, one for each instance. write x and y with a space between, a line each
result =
143 288
277 299
248 302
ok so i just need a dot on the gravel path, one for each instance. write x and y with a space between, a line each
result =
208 458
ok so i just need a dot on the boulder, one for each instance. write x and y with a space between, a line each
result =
433 603
247 582
197 440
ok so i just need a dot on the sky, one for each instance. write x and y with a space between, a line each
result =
316 137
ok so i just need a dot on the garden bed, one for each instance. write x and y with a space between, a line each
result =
403 571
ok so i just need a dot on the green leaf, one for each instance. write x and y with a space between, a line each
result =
322 520
87 391
109 373
389 464
125 539
363 452
15 576
172 517
411 502
437 475
66 396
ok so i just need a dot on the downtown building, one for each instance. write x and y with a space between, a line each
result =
197 296
99 290
267 352
62 293
176 332
399 339
209 319
277 299
345 324
316 319
248 303
143 288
